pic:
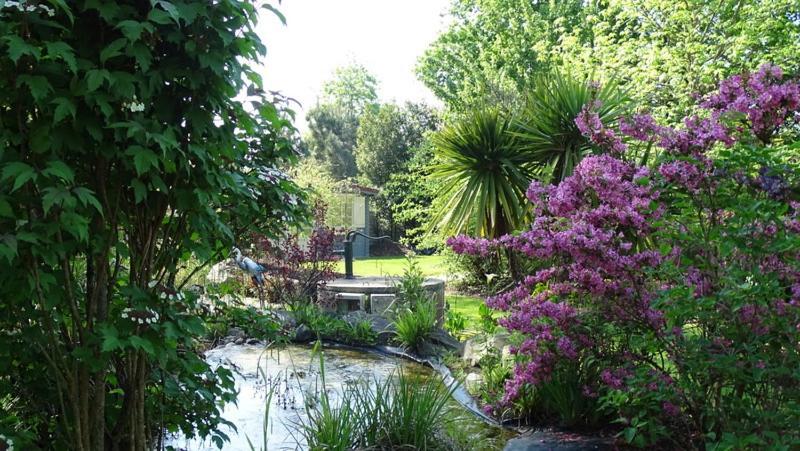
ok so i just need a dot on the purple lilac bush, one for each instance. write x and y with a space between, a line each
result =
677 282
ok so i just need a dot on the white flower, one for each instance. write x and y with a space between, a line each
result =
152 283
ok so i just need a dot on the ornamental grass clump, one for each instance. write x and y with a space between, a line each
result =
679 283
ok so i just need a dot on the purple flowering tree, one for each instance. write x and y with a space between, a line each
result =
672 290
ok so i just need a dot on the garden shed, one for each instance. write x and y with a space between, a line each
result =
351 211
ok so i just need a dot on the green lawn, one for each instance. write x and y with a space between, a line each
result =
431 265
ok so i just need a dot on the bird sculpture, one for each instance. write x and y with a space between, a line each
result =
255 269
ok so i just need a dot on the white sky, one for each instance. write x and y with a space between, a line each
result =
386 36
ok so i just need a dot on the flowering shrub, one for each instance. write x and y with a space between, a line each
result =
677 283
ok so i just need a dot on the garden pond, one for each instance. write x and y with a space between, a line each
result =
288 378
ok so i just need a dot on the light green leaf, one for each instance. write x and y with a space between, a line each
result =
60 49
21 173
111 339
87 197
18 47
95 77
132 29
142 55
142 343
113 49
38 85
54 196
170 9
143 159
64 108
139 190
5 209
59 169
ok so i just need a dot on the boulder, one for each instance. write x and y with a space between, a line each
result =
473 382
442 338
236 333
303 334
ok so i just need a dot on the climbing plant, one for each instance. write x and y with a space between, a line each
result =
122 154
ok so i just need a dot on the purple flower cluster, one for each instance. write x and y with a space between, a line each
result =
760 101
586 225
590 125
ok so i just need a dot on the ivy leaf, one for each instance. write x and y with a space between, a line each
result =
111 339
54 196
170 9
18 47
143 159
143 344
87 197
59 169
5 209
142 55
139 190
38 85
95 77
8 247
64 108
76 225
113 49
275 11
62 50
21 173
133 29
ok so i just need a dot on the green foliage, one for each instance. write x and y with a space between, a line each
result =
251 321
352 89
547 132
661 52
333 122
387 138
124 154
455 323
474 274
482 175
410 288
329 327
331 139
414 326
493 48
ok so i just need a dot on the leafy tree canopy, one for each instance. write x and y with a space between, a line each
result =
387 137
123 153
661 51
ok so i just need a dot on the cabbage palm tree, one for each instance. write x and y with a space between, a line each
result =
546 130
482 175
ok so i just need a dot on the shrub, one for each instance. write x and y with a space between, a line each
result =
455 323
414 326
297 268
679 285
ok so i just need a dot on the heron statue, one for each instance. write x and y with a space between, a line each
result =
255 269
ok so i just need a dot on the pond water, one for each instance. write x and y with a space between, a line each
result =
293 375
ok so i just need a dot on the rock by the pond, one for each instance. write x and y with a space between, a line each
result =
303 334
479 347
473 382
253 341
239 341
285 317
557 441
442 338
235 332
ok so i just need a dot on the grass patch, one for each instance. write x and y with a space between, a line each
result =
430 265
467 306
